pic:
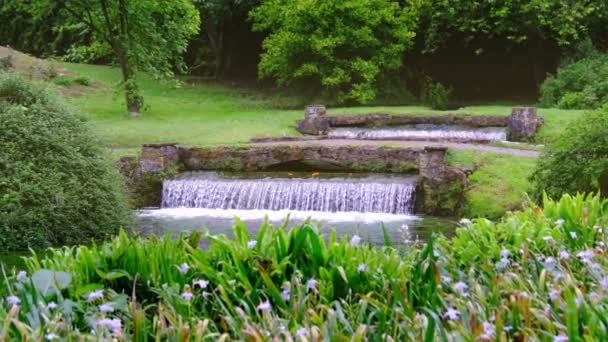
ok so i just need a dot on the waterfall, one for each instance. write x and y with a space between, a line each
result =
373 194
422 132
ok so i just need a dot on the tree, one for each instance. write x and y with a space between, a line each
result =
340 47
146 35
577 161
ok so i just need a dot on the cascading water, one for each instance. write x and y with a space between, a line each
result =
422 132
373 194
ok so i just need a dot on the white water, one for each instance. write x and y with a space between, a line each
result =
422 132
394 195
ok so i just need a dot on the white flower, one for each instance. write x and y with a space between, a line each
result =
405 227
205 294
573 235
51 336
201 283
302 332
251 244
550 263
51 305
465 222
504 253
22 275
446 279
312 284
560 338
231 282
355 240
95 295
106 307
548 238
115 325
187 295
554 294
264 306
13 300
361 268
461 288
559 222
586 256
488 330
452 314
183 268
604 283
564 255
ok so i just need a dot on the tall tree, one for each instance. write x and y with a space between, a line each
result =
146 35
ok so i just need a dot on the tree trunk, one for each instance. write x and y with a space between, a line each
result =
132 97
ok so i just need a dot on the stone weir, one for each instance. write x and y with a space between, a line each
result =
440 189
521 125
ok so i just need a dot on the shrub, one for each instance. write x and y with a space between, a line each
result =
43 71
436 95
340 47
82 80
577 159
6 63
57 185
581 82
540 272
62 80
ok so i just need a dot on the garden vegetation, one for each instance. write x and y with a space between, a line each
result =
538 274
56 185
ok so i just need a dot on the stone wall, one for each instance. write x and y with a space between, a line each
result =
441 188
522 124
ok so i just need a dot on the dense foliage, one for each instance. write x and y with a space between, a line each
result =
147 35
577 160
56 186
580 82
538 275
339 47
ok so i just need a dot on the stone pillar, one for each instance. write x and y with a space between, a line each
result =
158 157
523 124
441 189
315 122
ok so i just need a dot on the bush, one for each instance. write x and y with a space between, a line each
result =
340 47
57 186
540 272
581 82
436 95
82 80
578 158
6 63
62 80
43 71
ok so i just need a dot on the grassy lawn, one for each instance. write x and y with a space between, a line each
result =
207 114
498 184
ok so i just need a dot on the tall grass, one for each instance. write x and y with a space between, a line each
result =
539 274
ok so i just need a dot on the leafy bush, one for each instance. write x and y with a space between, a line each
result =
541 273
57 186
340 47
577 159
62 80
82 80
581 82
6 63
43 71
436 95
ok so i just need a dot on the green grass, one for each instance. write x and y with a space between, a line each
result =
207 114
498 184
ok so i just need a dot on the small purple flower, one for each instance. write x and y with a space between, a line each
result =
95 295
312 284
251 244
355 240
361 268
183 268
21 276
265 306
302 332
461 288
106 307
13 300
51 337
51 305
452 314
201 283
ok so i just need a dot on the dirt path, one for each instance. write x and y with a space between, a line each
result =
401 143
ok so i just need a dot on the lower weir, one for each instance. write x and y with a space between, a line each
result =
339 193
